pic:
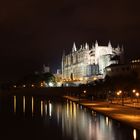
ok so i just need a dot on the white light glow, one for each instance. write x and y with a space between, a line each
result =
32 106
51 84
41 108
14 104
50 109
23 104
134 134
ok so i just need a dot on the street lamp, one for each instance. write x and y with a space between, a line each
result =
134 93
137 95
120 93
133 90
84 91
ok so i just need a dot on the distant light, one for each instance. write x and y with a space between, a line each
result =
81 79
120 91
32 85
137 94
84 91
24 86
108 69
15 86
133 90
51 84
94 78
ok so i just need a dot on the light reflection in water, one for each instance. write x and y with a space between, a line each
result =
15 104
81 125
24 104
50 109
46 109
32 106
67 110
76 123
134 134
107 121
41 108
74 110
70 109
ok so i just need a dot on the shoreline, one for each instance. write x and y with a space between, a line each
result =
124 114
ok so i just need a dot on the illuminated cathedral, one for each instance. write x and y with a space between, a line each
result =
86 61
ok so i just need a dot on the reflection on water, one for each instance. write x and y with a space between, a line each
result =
135 134
15 104
41 108
84 125
50 109
24 104
32 106
67 120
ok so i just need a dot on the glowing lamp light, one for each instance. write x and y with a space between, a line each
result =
24 86
81 79
94 78
51 84
84 91
137 94
133 90
41 85
118 93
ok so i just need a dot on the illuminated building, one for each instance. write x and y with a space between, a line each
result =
85 62
45 69
124 70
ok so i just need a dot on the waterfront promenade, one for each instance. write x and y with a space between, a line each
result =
125 114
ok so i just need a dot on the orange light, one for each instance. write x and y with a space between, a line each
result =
84 91
137 94
133 90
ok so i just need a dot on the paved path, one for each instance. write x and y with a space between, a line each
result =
125 114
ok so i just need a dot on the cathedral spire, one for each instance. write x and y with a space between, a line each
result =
122 48
81 47
93 45
86 46
96 43
74 47
109 44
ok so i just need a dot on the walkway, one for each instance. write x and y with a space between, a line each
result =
125 114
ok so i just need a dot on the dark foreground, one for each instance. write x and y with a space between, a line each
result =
36 117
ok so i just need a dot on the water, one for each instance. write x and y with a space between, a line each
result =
35 117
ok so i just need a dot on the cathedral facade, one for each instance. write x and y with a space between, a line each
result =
88 61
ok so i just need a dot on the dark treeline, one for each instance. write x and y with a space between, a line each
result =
29 80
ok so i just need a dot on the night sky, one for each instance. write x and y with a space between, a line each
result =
35 32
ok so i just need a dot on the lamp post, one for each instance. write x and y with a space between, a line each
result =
137 95
120 93
133 92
